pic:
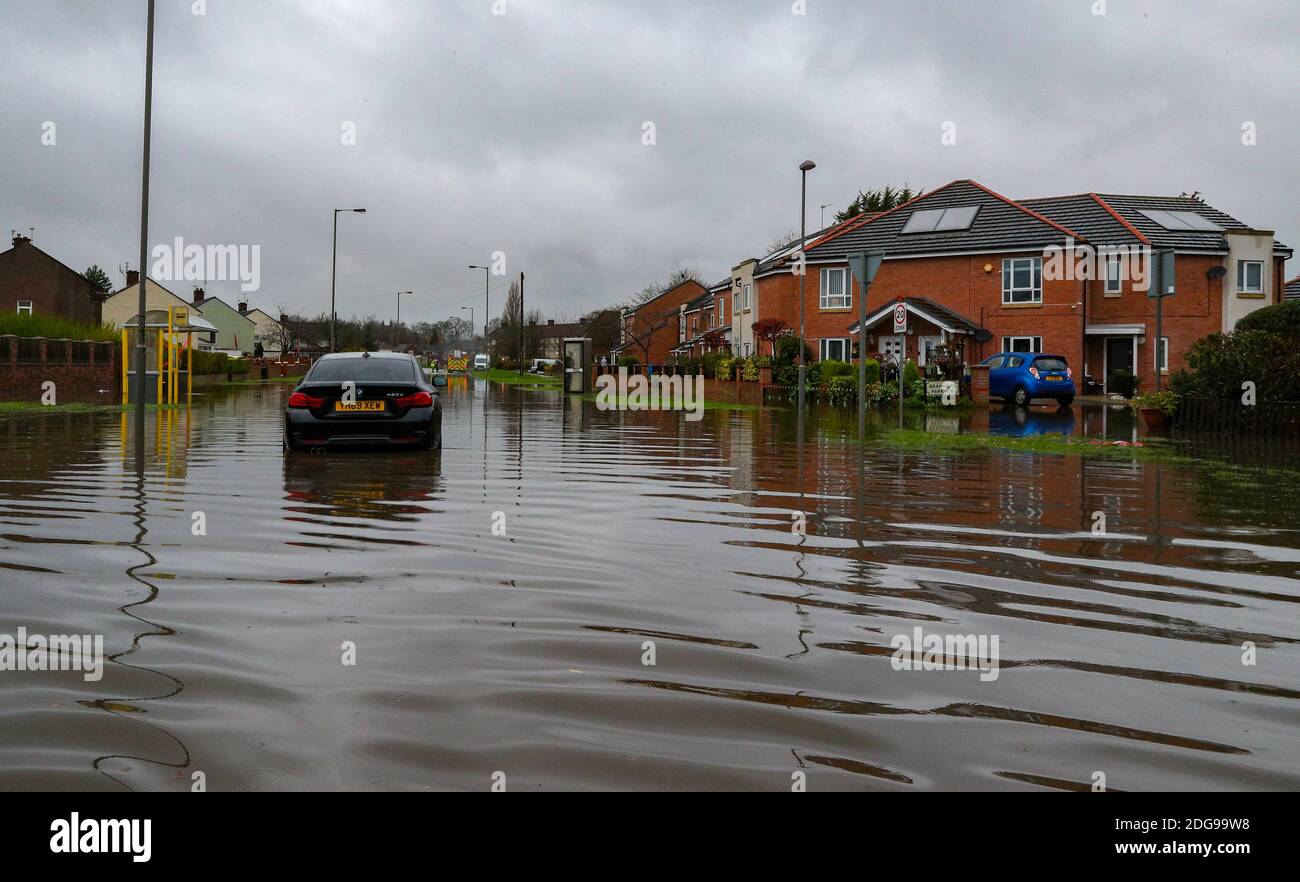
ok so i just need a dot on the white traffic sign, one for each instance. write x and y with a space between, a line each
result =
900 318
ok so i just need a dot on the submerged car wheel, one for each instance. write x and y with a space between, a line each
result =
1065 400
1021 396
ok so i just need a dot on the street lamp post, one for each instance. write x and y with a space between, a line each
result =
487 273
144 246
397 329
804 167
334 264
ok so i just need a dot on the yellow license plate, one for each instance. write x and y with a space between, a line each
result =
359 407
1054 379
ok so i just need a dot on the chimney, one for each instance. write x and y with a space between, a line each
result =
198 296
243 307
21 240
132 277
550 321
284 318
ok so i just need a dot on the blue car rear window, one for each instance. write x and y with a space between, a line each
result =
1050 364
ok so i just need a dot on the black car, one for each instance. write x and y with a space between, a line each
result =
352 399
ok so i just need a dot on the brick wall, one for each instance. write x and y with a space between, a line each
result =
94 381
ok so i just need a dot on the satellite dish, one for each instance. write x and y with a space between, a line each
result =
1217 272
983 336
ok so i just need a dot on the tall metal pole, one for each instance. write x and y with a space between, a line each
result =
140 352
521 326
334 263
486 279
803 267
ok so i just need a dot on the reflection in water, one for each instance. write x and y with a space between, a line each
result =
522 650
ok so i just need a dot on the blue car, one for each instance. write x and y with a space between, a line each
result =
1020 377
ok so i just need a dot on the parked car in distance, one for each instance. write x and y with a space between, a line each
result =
540 364
352 399
1020 377
482 362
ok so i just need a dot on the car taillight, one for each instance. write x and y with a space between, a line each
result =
1033 371
302 399
418 399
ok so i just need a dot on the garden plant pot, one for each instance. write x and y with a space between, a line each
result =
1155 418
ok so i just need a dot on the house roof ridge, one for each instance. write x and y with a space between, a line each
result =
1115 214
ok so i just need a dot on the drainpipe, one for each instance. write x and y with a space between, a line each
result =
1083 331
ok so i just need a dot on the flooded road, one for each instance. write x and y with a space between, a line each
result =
503 597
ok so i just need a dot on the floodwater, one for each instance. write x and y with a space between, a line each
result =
623 538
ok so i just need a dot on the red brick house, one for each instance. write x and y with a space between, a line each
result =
653 329
968 264
34 283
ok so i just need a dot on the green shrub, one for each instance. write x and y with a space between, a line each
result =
749 372
787 350
1124 382
873 371
1219 364
841 391
56 328
830 369
628 361
763 361
910 375
1280 318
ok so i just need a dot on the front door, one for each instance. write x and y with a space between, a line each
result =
891 346
1119 356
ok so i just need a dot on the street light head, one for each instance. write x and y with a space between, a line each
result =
807 165
359 210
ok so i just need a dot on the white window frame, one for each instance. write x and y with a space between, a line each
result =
735 302
745 297
1162 355
24 307
746 350
824 348
1243 277
1113 260
824 298
1036 344
1009 290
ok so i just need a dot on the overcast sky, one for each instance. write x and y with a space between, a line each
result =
523 132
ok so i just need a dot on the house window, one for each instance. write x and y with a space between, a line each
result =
1250 277
24 307
722 310
1114 276
1162 355
746 350
1022 344
1022 280
735 301
834 289
836 348
745 298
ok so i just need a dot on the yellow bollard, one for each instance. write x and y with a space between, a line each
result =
160 366
125 390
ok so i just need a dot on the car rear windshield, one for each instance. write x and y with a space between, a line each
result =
363 370
1050 364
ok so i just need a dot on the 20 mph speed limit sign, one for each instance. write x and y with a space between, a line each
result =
900 318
